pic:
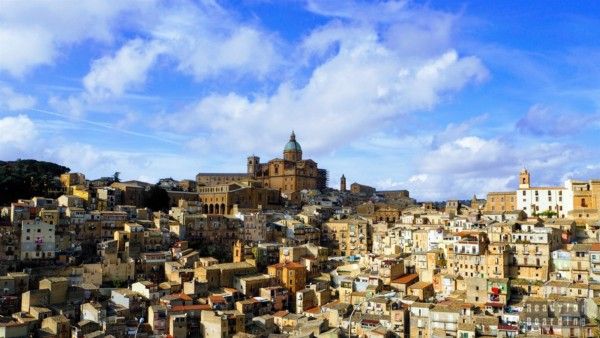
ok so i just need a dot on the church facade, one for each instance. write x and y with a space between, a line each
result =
290 174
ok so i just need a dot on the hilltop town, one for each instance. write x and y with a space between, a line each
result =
275 252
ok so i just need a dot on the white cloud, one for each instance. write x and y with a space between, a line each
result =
468 154
34 33
363 86
471 165
202 40
412 30
96 162
418 178
541 120
11 100
112 76
17 135
387 183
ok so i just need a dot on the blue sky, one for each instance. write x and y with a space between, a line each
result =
446 99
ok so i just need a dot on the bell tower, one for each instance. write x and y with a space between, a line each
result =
524 179
238 251
343 183
474 202
253 166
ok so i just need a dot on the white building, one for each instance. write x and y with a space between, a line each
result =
434 238
38 240
537 200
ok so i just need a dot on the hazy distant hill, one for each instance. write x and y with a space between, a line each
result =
28 178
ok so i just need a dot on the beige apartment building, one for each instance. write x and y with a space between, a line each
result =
347 237
38 240
501 201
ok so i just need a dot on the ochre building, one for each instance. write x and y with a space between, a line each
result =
501 201
290 174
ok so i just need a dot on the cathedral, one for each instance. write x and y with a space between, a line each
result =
290 174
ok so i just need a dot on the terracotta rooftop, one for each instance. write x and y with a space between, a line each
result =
200 307
289 265
406 278
314 310
281 313
217 299
420 285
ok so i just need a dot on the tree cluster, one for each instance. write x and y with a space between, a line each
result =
29 178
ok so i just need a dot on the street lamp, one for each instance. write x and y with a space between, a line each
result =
357 306
140 321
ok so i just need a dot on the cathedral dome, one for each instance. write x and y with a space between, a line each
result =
292 145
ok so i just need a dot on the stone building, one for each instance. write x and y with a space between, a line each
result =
381 212
38 240
586 200
347 237
220 199
131 192
501 201
289 175
361 189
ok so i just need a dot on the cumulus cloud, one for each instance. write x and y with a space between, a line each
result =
542 120
471 165
468 154
352 93
113 75
11 100
207 40
145 165
33 33
17 135
202 40
412 30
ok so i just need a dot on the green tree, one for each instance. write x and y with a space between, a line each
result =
157 199
116 177
28 178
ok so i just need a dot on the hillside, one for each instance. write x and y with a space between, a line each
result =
29 178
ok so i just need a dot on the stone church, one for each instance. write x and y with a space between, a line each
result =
290 174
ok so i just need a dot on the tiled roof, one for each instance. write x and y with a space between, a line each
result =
406 278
